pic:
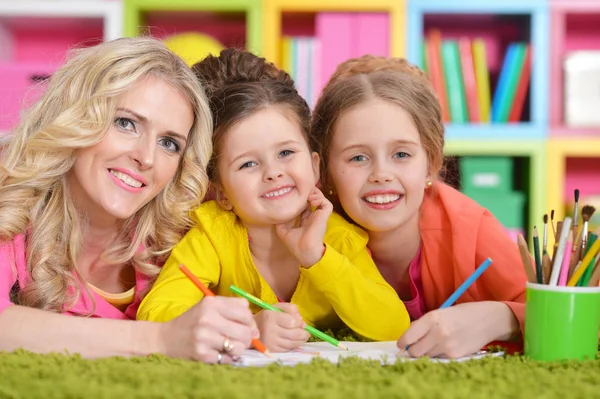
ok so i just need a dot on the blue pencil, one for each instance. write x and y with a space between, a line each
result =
464 286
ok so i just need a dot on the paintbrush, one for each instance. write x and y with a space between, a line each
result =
545 239
575 218
552 223
586 214
558 231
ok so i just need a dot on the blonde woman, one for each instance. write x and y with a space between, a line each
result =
96 185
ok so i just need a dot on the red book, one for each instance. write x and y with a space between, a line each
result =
436 70
468 72
517 107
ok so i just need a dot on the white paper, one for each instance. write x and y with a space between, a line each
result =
384 352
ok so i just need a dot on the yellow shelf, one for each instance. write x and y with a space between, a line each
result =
558 150
273 10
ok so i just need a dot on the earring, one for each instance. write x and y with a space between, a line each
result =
330 192
429 183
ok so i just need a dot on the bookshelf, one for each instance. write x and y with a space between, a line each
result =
573 151
572 163
342 36
522 20
496 24
34 37
573 27
235 23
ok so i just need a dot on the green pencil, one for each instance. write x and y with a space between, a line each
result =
264 305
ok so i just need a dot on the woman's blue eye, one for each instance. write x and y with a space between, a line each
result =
285 153
358 158
125 124
170 145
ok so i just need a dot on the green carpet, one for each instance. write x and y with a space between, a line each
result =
25 375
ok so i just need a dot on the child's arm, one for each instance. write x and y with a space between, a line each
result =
281 331
349 279
173 293
497 312
359 294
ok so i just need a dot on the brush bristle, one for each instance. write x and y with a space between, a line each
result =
576 195
552 215
587 211
545 218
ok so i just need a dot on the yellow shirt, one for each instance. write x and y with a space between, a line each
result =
344 287
120 301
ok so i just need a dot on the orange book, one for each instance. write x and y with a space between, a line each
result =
517 107
470 83
436 70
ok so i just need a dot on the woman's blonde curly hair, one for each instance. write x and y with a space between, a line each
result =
75 112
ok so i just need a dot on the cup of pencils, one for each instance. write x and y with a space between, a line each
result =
562 310
561 322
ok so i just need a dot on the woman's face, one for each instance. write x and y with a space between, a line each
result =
138 156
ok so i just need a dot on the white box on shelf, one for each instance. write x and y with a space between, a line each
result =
582 89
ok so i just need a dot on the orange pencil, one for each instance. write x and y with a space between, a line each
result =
207 292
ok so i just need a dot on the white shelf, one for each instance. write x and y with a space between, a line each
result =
110 11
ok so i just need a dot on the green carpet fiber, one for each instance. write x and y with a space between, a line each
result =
26 375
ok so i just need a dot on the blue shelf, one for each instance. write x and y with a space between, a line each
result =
508 132
540 43
479 6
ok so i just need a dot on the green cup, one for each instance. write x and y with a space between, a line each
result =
561 323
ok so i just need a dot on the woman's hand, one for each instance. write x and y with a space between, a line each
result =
459 330
282 331
216 330
305 241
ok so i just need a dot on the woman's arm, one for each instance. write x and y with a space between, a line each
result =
41 331
198 334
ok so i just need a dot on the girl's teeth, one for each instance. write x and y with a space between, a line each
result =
382 199
278 192
125 178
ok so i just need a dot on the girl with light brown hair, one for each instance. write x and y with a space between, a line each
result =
379 130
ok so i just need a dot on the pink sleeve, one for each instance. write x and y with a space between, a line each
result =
11 255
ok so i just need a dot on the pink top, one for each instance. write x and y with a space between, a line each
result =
12 256
416 306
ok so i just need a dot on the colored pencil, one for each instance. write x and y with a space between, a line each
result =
564 269
207 292
537 256
268 306
467 283
526 259
463 287
562 243
596 274
585 263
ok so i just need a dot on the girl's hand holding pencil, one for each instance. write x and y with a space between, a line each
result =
305 238
282 331
458 330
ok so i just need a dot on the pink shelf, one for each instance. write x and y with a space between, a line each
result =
574 26
582 174
36 46
298 24
227 28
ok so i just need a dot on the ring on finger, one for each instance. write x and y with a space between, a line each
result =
219 358
227 345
